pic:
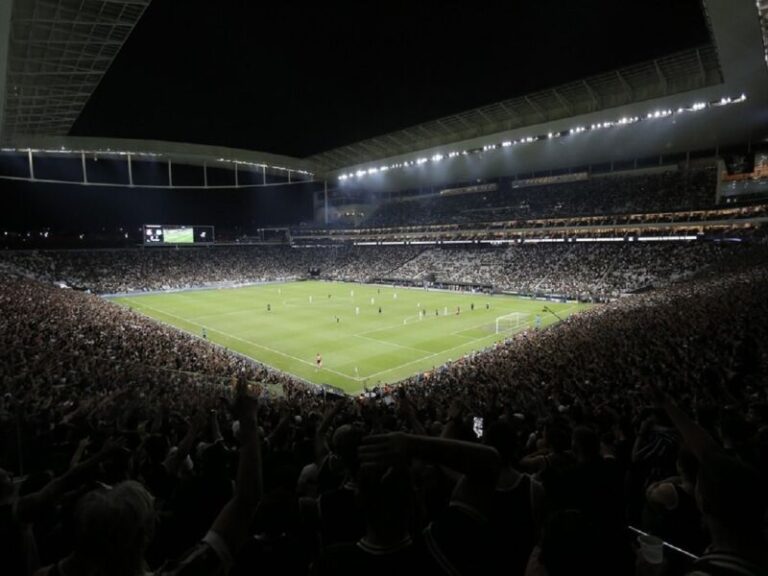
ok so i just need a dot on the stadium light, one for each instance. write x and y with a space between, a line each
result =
623 121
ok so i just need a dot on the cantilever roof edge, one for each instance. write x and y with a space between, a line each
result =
57 54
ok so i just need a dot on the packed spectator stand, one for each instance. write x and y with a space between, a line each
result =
672 200
670 190
78 371
129 447
583 270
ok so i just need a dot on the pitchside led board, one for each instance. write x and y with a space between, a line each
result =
160 235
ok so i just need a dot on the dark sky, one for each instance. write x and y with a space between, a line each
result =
298 78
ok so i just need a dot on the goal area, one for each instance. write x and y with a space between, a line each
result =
510 322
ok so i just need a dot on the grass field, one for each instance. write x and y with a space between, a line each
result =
359 349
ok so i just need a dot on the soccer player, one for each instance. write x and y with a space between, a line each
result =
269 307
318 361
379 309
205 334
357 310
538 321
472 307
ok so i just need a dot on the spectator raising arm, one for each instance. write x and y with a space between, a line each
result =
32 506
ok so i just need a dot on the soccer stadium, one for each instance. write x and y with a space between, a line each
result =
446 288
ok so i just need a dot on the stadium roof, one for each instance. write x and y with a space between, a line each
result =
58 52
681 72
665 127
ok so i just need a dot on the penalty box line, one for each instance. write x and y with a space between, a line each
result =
353 378
302 361
449 349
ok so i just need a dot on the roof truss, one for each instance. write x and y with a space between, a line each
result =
59 51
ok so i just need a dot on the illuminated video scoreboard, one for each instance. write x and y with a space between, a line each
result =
155 234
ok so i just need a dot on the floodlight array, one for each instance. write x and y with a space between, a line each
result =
658 114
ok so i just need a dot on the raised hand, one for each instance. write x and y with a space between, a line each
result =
384 450
245 408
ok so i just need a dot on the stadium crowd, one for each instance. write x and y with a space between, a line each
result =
128 447
579 270
583 270
671 190
131 270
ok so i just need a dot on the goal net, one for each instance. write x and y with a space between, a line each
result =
510 322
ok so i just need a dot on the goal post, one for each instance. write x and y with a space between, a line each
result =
510 322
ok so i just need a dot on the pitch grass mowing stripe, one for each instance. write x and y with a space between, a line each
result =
366 334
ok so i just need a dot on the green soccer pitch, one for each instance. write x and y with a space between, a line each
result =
359 345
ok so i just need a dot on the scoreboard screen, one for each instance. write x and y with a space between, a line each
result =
158 235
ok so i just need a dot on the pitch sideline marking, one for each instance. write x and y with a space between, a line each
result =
353 378
233 337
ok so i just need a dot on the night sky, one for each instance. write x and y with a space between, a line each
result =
299 78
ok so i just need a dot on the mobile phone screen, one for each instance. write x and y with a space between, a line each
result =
477 426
